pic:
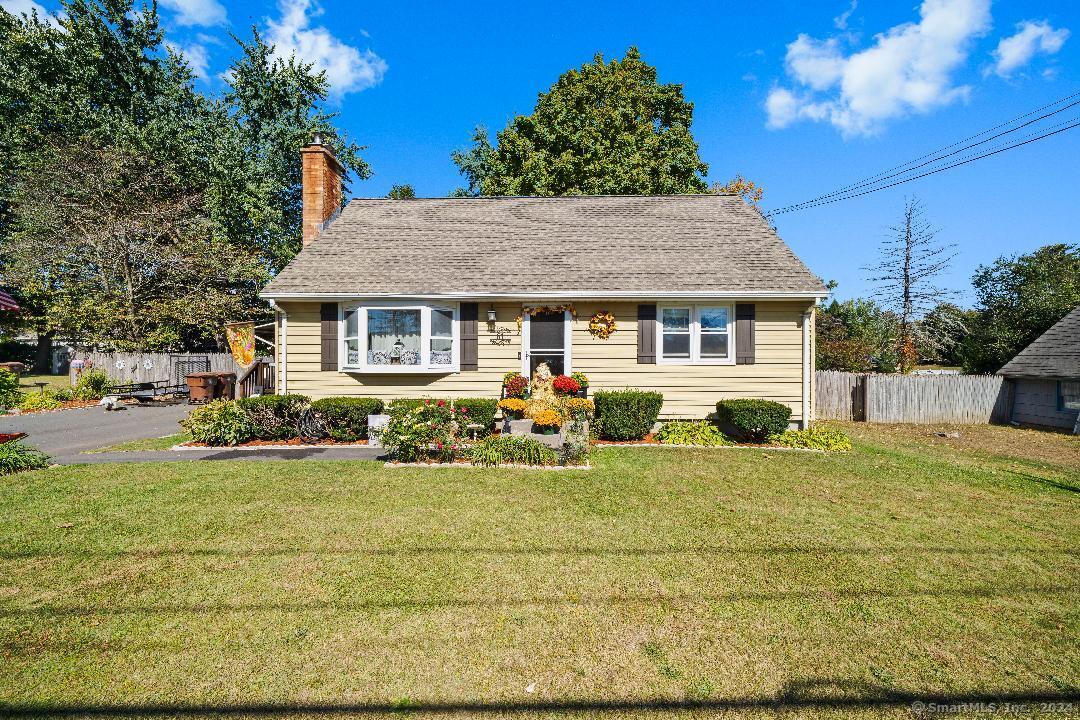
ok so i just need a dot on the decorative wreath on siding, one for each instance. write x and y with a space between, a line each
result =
545 309
602 325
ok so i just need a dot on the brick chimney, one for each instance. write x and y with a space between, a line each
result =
321 195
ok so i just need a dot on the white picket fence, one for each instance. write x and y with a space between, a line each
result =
147 367
919 399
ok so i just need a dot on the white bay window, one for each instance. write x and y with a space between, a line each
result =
399 338
696 335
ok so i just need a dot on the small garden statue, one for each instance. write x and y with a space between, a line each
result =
542 395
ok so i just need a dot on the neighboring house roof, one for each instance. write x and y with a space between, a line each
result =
1055 354
7 302
587 245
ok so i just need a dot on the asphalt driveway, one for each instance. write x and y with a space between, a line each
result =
66 433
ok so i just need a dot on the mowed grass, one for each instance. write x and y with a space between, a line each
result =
717 579
159 443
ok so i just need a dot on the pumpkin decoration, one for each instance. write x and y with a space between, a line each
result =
602 325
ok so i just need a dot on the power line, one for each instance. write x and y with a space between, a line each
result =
935 157
1075 123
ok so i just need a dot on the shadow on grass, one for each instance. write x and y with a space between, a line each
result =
766 551
550 601
804 695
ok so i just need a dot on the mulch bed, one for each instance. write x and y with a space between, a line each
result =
11 437
69 405
293 442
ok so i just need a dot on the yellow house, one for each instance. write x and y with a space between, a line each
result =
691 295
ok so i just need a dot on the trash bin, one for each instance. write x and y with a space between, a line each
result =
225 386
201 387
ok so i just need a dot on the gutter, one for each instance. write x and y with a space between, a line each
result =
573 295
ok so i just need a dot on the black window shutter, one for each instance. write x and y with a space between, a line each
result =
745 327
469 335
328 335
646 334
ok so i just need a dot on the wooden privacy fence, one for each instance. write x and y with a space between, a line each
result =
149 367
911 398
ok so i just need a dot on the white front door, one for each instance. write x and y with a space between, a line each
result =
546 339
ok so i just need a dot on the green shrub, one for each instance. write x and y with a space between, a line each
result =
92 385
410 403
10 395
221 422
65 395
346 418
816 437
275 417
497 450
681 432
16 351
754 420
33 401
428 430
627 414
480 411
16 457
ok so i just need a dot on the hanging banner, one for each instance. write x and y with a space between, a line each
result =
241 337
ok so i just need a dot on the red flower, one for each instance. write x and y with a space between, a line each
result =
516 386
565 385
442 403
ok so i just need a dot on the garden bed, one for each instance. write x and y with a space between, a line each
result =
271 444
67 405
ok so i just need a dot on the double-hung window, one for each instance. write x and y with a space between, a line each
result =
1068 395
400 338
696 335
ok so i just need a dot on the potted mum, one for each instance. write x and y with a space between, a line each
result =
583 383
547 422
515 385
565 385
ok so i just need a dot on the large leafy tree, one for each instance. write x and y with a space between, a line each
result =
604 128
99 78
1020 298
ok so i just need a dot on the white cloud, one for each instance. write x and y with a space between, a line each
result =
907 69
347 68
196 56
20 7
1031 37
840 21
196 12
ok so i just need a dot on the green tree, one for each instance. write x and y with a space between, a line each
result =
942 333
605 128
1020 298
856 336
401 192
125 252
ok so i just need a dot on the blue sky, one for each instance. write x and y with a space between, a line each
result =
801 97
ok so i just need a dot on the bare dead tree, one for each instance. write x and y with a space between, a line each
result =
910 262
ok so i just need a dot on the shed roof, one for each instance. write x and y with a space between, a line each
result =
1054 354
596 245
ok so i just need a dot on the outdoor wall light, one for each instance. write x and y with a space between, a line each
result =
491 315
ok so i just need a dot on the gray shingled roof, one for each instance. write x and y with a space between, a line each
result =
526 245
1054 354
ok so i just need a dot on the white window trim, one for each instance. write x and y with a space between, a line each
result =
568 334
695 335
425 338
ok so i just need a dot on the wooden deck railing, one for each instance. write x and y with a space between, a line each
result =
257 379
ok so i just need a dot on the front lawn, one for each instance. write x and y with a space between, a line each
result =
710 578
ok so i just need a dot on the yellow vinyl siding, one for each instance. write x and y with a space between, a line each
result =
690 391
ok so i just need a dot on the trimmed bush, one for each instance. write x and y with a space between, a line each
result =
411 403
682 432
627 414
480 411
498 450
33 401
346 418
91 385
275 417
221 422
754 420
816 437
10 395
16 457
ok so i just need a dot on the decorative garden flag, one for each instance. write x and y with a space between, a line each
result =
7 302
241 338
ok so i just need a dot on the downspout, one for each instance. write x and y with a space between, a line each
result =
807 415
283 346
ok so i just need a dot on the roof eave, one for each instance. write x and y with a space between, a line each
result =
561 295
